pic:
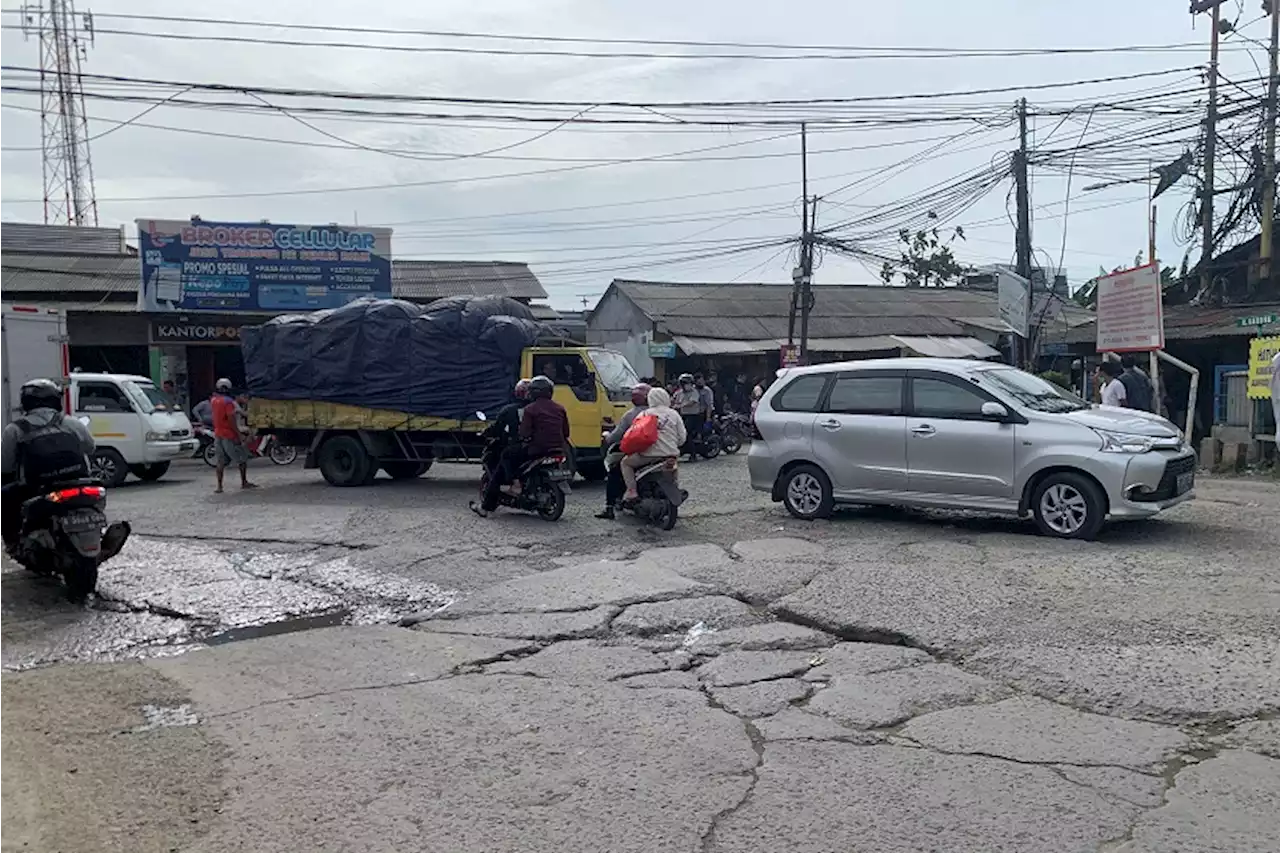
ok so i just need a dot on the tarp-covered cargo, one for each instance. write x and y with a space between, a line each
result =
449 359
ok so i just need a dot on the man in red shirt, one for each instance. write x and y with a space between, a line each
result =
228 438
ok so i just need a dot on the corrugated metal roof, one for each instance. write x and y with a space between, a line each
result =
1192 322
59 239
944 347
759 311
412 279
51 274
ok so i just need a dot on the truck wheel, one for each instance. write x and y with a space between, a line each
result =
108 467
343 461
405 470
150 473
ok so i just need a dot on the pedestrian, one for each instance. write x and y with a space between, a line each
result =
1138 393
1113 390
689 403
230 432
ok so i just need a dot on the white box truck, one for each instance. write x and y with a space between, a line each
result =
35 347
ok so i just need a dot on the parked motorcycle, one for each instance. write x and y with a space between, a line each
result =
65 533
659 496
735 431
259 446
709 443
204 439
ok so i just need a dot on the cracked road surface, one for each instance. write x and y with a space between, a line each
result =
304 668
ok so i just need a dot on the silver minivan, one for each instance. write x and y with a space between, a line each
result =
958 434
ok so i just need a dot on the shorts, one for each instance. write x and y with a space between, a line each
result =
231 451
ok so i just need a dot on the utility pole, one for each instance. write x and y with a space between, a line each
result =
800 275
1210 147
806 283
1269 164
1022 240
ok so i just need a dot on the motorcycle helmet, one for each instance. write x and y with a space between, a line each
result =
222 385
686 379
522 389
541 386
640 394
40 394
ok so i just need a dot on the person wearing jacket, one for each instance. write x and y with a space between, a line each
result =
671 435
40 449
613 486
543 431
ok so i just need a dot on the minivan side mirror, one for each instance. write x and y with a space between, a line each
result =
994 411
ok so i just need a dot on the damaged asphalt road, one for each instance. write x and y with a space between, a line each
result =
882 682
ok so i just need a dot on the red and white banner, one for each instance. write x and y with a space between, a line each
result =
1131 311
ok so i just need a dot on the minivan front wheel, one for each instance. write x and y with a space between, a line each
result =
806 493
1069 506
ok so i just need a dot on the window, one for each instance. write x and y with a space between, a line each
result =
568 370
937 398
102 397
866 395
801 395
615 373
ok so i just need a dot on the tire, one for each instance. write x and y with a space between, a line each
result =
1067 505
108 467
669 516
82 580
710 446
405 470
282 455
593 472
344 462
210 454
549 509
731 443
806 493
150 473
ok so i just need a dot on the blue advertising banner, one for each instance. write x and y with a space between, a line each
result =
242 266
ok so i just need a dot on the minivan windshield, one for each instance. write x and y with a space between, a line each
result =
1031 391
148 398
615 373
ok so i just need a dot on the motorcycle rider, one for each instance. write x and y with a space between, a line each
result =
613 486
40 449
671 435
544 431
504 431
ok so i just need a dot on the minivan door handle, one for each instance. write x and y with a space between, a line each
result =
923 429
830 424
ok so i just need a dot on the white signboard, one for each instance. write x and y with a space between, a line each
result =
1130 312
1011 296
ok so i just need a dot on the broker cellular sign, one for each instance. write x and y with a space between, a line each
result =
1130 311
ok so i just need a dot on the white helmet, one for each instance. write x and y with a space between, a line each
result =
222 385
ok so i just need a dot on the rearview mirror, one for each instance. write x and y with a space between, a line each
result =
994 411
480 416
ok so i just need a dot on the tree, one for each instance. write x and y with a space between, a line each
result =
925 258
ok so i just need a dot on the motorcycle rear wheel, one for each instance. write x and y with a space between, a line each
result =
210 454
550 501
82 578
282 455
731 443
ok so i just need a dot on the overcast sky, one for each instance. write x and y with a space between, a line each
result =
697 204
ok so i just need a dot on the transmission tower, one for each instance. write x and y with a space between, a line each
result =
69 197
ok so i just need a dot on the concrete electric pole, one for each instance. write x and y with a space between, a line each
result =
1022 239
1267 249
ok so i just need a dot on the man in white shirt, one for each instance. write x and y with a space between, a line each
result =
1113 393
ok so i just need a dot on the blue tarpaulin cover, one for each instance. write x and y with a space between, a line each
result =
449 359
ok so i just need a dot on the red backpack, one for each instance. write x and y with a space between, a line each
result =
641 435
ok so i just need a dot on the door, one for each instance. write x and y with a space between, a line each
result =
576 390
860 436
112 419
951 448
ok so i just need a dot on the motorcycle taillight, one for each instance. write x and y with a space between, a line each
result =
78 491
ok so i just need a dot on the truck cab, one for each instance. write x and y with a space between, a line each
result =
135 425
594 386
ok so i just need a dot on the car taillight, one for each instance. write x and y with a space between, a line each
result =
79 491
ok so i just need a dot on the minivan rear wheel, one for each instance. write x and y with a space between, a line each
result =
1068 506
806 493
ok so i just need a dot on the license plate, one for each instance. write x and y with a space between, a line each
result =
187 445
558 474
77 522
1185 483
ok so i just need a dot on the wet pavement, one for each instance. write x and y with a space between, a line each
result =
378 669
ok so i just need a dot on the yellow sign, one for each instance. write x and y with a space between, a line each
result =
1261 351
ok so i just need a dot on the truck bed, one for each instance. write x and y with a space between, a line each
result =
316 415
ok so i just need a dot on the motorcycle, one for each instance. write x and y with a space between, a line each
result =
734 429
204 440
544 481
65 533
709 444
659 496
259 446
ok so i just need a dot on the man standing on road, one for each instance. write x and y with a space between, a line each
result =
1113 390
1138 393
229 439
690 404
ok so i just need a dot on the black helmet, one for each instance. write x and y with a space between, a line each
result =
540 386
41 394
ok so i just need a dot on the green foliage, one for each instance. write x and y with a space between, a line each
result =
925 258
1057 377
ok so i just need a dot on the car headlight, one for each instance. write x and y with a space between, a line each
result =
1123 442
156 436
